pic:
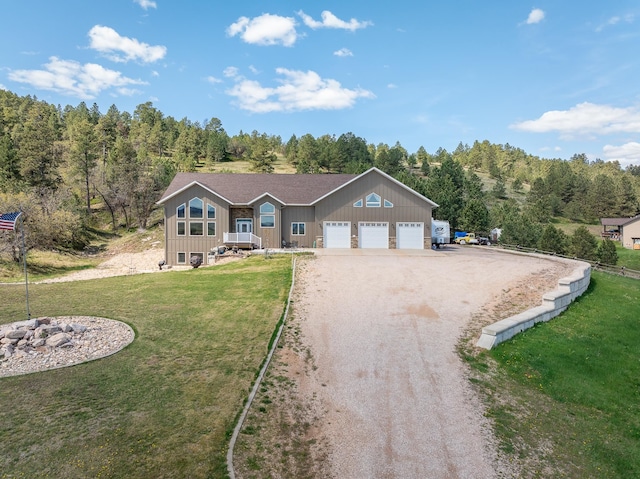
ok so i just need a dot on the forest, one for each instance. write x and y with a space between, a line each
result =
75 169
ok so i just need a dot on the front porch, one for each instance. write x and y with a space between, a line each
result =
242 240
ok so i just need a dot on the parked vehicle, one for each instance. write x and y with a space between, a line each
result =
484 240
440 233
469 238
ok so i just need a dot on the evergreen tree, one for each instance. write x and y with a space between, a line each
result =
606 252
553 240
583 244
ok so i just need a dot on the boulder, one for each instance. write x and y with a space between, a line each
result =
15 334
58 339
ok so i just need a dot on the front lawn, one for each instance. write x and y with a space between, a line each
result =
565 395
162 407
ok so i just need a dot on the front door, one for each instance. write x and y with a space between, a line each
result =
244 225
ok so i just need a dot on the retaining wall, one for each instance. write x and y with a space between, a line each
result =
553 303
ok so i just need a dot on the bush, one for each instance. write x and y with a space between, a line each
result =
606 252
583 244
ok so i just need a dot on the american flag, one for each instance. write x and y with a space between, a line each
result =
8 220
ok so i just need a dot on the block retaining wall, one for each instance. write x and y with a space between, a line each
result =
553 303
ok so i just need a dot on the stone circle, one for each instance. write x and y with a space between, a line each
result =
55 342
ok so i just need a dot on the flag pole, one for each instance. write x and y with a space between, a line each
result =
24 261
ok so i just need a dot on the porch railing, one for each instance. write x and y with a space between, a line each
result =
243 238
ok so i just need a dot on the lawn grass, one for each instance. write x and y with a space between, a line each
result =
629 258
565 395
164 406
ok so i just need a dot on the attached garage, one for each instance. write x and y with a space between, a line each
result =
337 234
373 235
410 235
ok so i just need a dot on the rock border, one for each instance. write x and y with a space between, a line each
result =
59 342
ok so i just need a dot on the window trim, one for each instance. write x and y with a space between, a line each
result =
193 223
214 228
182 207
264 217
184 228
388 204
358 204
184 259
298 223
195 198
211 209
267 210
370 203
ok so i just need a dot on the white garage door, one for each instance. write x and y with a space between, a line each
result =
337 234
373 235
410 236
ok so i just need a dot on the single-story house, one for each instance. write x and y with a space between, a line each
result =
204 211
625 230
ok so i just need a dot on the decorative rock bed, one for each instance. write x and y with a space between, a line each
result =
49 343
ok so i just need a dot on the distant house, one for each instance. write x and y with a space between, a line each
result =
372 210
625 230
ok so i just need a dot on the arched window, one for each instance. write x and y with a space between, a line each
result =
267 215
196 207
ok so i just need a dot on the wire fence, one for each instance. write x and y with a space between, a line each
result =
606 268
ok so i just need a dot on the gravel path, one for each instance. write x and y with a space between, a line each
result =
382 327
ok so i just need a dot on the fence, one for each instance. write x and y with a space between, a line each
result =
596 265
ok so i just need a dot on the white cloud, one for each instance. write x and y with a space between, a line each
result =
585 119
146 4
213 80
2 87
392 86
625 154
329 20
155 73
231 72
266 29
122 49
628 18
72 78
254 70
535 16
343 52
298 91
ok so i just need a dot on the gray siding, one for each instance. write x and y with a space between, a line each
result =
300 214
406 205
271 237
193 244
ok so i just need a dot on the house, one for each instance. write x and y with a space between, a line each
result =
625 230
204 211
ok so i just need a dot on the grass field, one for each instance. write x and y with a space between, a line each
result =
565 395
163 406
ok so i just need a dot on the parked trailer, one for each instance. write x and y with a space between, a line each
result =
440 233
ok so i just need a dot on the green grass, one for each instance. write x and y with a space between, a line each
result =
629 258
162 407
565 397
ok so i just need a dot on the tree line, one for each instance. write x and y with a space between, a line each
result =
55 163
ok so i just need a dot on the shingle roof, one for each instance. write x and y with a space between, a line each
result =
617 221
242 188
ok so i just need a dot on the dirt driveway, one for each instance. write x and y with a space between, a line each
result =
382 327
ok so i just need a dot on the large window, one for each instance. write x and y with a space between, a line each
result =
267 215
196 207
196 228
211 228
211 212
181 211
182 228
297 229
373 201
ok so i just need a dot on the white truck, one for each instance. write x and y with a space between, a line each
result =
440 233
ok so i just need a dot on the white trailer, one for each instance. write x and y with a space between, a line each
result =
440 233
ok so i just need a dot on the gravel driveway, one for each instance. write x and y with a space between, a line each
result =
382 327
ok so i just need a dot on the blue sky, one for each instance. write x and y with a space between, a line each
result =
554 77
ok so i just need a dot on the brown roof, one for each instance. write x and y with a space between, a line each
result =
243 188
617 221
